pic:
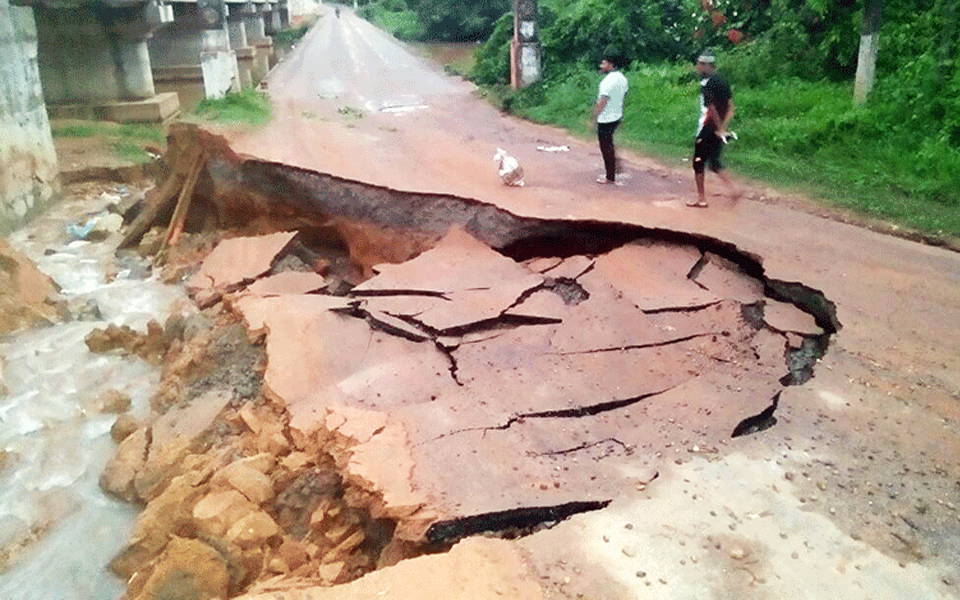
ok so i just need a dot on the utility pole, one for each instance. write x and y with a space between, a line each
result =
525 46
869 41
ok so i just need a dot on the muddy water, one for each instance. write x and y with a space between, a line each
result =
57 529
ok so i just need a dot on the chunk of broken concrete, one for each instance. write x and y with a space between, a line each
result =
787 318
238 260
290 282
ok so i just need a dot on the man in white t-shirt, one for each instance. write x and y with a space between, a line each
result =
608 112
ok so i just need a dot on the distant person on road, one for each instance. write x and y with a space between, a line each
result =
336 9
716 111
608 111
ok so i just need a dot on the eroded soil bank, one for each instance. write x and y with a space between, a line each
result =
387 373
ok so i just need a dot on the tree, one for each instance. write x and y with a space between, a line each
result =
463 21
869 41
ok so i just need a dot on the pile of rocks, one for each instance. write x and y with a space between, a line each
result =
224 512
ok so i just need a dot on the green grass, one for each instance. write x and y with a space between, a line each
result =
126 141
287 38
131 151
798 135
246 107
131 131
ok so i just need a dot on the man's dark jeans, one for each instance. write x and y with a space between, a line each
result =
605 137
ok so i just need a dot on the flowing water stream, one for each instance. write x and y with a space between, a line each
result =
58 530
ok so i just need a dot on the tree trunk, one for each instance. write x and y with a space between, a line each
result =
867 60
948 10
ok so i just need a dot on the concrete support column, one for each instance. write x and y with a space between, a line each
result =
94 53
271 18
192 56
28 161
284 15
236 26
258 39
254 24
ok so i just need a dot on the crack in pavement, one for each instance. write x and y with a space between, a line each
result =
563 413
759 422
681 309
678 340
584 446
509 523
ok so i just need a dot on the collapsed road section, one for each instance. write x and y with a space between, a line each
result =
391 372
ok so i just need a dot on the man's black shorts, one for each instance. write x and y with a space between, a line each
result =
706 152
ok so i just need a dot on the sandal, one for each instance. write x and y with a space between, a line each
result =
605 181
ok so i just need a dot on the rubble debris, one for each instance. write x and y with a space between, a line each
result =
150 346
490 569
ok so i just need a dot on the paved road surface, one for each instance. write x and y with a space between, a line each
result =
867 448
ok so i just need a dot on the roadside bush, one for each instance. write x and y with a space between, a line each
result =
394 16
492 66
248 106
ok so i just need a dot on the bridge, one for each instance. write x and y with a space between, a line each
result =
145 60
117 60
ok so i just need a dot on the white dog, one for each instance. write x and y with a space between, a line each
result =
510 170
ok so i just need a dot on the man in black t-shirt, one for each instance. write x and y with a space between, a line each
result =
716 111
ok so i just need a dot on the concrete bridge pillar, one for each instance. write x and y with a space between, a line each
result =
28 160
94 62
271 22
192 55
284 15
258 39
271 18
236 26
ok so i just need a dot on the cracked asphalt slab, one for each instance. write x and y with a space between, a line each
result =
634 395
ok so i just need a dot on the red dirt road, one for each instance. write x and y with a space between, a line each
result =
861 474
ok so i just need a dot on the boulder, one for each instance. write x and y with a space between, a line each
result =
123 427
188 570
250 482
173 435
122 468
114 401
253 530
218 511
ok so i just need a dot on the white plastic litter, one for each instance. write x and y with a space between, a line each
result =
510 170
553 148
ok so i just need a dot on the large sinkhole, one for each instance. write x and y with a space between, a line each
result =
535 367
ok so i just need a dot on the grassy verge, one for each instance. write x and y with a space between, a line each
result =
127 141
287 38
799 135
248 107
